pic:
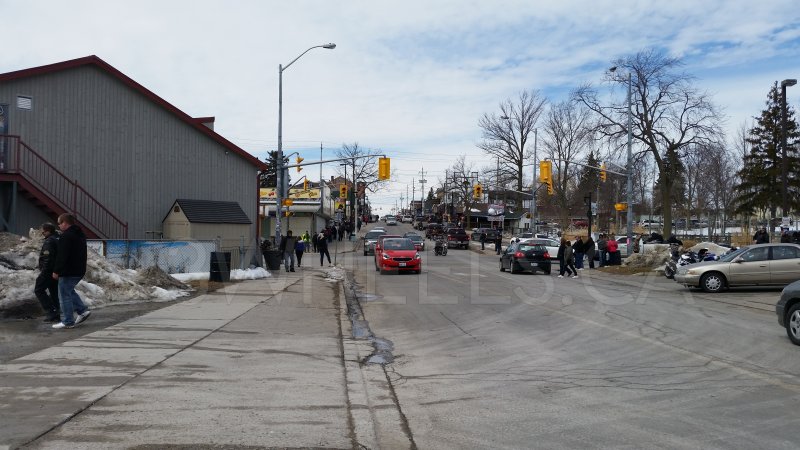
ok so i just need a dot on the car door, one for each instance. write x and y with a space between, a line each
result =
784 266
753 268
506 256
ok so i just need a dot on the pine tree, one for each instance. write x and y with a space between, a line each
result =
269 177
761 179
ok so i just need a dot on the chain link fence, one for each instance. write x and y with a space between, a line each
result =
171 256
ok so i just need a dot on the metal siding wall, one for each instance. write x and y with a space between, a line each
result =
28 215
131 154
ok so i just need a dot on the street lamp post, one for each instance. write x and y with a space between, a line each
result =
784 164
280 176
534 184
629 169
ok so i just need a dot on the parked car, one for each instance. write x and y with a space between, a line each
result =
398 254
788 311
407 219
525 256
550 244
761 264
491 234
370 239
457 237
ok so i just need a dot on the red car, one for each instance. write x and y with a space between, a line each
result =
398 254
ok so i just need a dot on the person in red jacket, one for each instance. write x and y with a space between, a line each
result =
612 248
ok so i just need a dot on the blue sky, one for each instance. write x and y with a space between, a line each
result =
408 78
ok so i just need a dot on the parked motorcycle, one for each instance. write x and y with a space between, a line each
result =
678 260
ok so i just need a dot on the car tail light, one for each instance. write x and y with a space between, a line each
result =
546 255
519 255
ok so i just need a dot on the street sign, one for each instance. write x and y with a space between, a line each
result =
786 222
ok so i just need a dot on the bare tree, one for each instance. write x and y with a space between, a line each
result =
566 135
669 115
365 164
507 136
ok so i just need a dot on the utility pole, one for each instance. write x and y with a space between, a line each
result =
422 182
413 198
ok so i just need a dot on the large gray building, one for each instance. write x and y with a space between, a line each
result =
80 136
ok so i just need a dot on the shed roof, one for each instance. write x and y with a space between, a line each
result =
95 61
211 211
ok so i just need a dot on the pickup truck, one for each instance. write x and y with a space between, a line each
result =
457 237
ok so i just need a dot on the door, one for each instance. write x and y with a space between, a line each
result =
754 268
785 264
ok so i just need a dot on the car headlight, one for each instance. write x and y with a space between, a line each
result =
417 256
385 256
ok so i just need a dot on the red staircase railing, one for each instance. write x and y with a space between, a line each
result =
16 157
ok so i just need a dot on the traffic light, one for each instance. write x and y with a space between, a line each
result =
603 173
384 165
288 202
343 191
546 175
299 160
305 184
477 191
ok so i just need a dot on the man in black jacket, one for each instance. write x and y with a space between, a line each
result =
69 268
46 288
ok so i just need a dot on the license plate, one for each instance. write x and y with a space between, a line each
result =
534 264
401 264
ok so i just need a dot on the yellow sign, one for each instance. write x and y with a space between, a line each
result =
620 206
294 193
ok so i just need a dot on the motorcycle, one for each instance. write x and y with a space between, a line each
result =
678 260
440 246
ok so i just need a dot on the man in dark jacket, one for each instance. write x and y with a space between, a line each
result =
287 251
69 268
46 288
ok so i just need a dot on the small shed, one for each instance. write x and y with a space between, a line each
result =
207 220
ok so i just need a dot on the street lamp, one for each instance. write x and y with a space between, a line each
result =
784 165
281 179
629 169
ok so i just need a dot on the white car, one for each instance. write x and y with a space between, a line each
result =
551 245
408 219
391 220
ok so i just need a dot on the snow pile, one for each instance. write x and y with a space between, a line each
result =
253 273
334 274
654 259
104 282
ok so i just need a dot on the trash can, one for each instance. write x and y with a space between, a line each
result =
272 259
220 269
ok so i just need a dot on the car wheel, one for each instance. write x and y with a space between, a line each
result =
514 268
793 324
502 269
546 272
712 282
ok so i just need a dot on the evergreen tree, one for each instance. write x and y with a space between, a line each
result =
761 179
269 177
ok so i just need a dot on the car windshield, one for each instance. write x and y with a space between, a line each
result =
415 238
373 234
398 244
729 257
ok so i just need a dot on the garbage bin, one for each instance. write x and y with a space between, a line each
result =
272 258
220 267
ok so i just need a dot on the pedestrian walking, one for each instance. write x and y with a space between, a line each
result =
483 240
588 248
299 248
69 269
578 252
314 241
322 248
602 244
569 260
761 236
287 251
498 243
46 288
562 261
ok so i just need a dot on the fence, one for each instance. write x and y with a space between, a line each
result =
169 256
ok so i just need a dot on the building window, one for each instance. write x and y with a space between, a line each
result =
24 102
176 209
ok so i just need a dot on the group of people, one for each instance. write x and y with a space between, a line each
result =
292 248
571 255
62 265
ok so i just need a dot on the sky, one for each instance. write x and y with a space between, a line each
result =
409 79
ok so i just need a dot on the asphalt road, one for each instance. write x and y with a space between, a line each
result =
486 359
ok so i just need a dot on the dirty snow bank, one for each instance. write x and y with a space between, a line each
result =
334 274
236 274
104 283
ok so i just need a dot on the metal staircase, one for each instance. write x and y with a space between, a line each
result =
49 189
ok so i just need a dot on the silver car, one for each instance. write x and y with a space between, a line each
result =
370 239
762 265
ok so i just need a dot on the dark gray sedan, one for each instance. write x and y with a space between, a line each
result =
788 311
525 256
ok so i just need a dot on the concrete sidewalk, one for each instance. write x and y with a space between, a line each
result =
257 363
